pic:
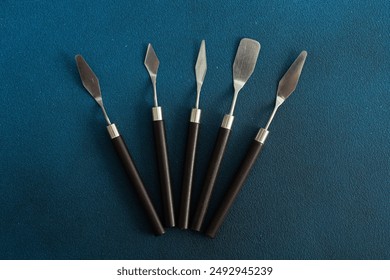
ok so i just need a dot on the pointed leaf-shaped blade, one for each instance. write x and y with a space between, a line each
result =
151 62
290 80
201 64
88 78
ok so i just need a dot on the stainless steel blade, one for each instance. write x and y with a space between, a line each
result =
201 64
287 84
151 62
290 80
245 62
200 70
91 83
243 66
89 79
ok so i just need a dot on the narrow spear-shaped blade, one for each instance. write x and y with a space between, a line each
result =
89 79
201 65
245 62
289 81
151 62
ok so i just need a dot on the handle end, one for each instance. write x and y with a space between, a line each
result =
135 179
211 234
235 187
196 227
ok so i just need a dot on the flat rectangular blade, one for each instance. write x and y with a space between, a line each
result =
245 61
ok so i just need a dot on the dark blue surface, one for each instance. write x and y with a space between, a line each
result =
320 190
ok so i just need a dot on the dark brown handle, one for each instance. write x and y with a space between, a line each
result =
211 176
135 179
163 168
189 164
234 188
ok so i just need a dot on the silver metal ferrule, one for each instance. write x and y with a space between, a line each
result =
113 131
157 113
262 135
227 121
195 115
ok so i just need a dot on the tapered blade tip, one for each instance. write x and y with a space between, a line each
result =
149 51
202 49
79 60
302 57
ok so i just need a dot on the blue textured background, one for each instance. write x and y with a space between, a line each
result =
320 189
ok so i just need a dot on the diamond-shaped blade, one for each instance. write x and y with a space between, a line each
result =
151 62
88 78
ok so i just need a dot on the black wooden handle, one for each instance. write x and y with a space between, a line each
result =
163 168
189 164
211 176
135 179
235 187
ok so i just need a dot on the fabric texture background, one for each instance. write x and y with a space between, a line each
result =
320 189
